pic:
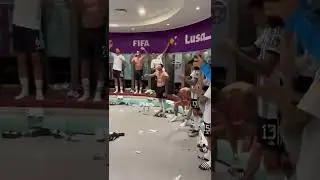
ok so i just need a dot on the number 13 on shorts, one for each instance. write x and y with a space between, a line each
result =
270 133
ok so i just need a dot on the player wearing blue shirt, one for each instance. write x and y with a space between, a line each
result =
304 23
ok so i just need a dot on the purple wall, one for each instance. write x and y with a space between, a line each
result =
189 38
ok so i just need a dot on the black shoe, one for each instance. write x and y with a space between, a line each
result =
193 133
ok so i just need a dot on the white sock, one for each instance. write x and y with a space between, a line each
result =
275 176
116 87
39 86
196 122
162 104
136 89
99 87
183 112
85 85
86 89
24 83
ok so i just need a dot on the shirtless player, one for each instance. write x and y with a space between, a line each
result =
161 78
183 101
138 61
92 43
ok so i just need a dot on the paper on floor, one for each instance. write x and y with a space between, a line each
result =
153 131
178 177
138 152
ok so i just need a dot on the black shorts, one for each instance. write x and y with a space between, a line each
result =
195 104
302 84
269 134
138 75
205 88
26 40
117 74
160 91
207 129
93 44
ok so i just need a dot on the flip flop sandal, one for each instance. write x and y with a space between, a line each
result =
193 133
202 157
205 166
204 149
201 145
160 115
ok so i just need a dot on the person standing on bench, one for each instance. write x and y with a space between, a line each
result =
138 61
27 41
92 44
117 68
161 78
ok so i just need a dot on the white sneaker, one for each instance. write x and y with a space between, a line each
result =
189 123
184 124
140 92
174 119
121 91
21 96
84 97
135 92
39 96
116 91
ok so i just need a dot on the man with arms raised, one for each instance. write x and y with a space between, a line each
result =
117 68
161 78
138 61
159 58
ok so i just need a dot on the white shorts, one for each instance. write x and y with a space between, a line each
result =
308 163
202 105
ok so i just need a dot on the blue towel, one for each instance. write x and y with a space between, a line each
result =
206 70
306 26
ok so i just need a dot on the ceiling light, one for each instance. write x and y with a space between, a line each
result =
142 11
197 8
168 24
132 28
113 25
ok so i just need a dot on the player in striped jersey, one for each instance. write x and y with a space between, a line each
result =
262 58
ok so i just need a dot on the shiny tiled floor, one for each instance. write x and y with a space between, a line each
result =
46 158
144 154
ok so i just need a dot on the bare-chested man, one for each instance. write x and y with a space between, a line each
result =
138 61
161 78
92 43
